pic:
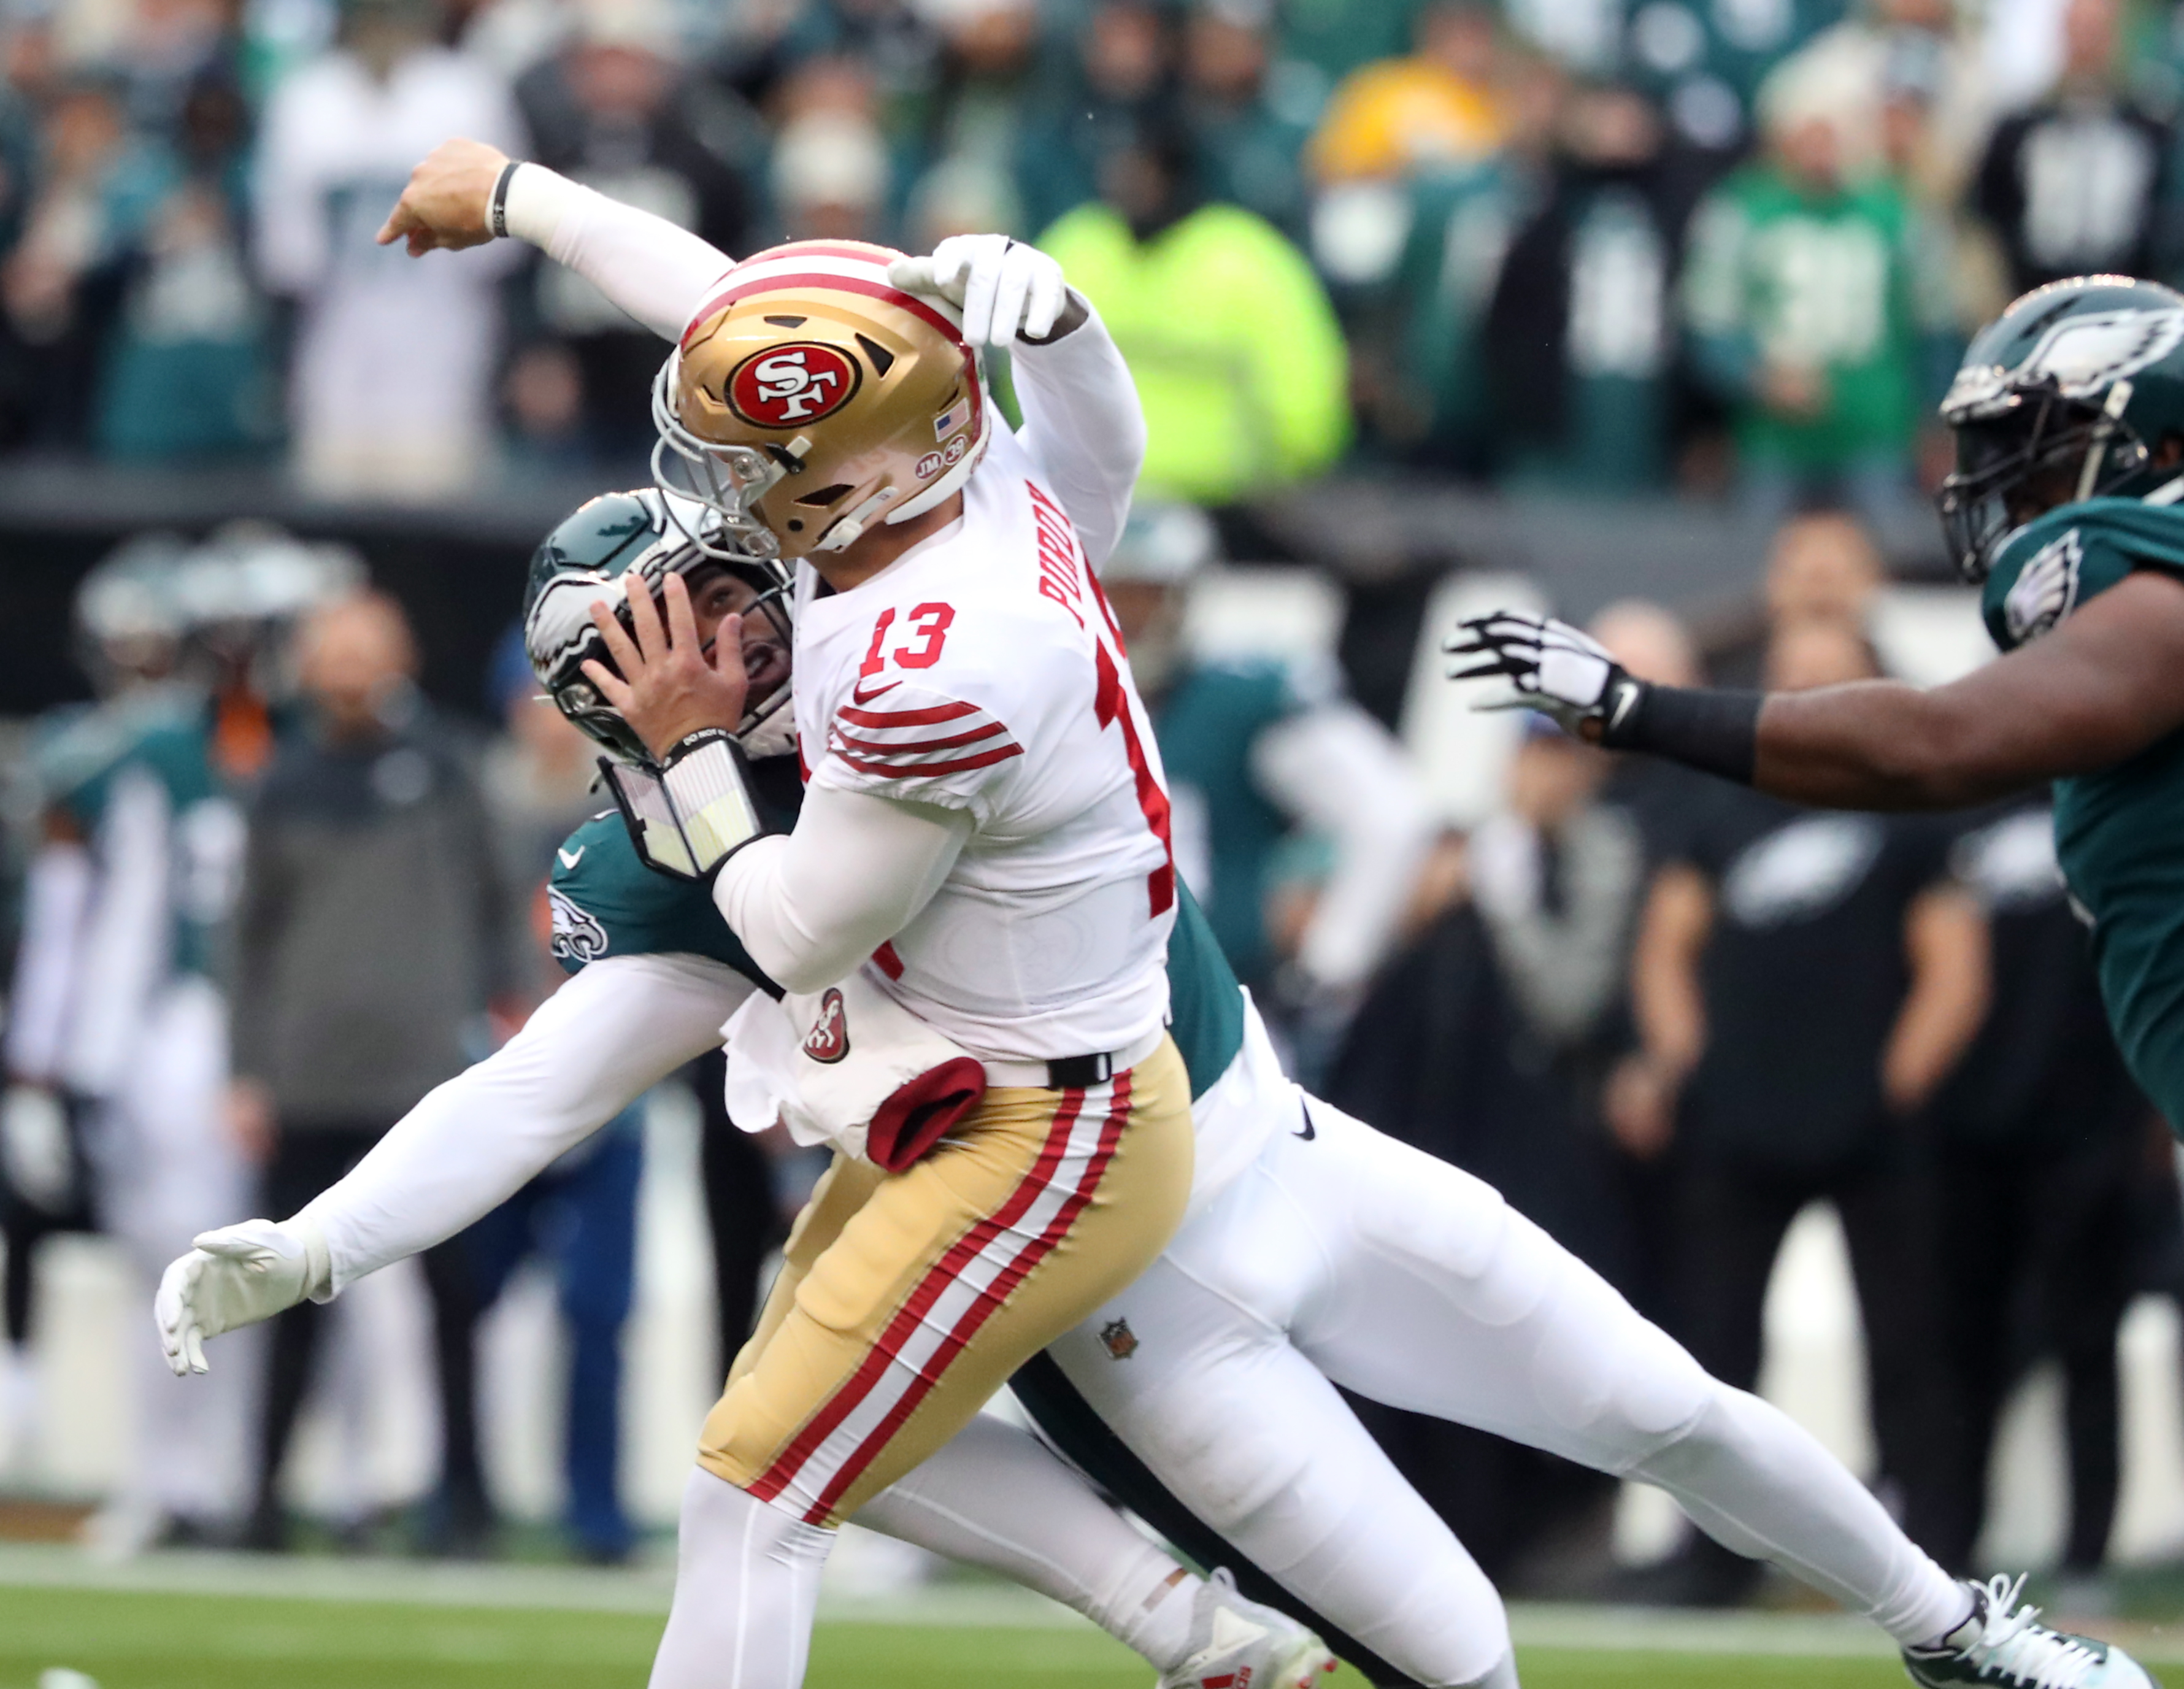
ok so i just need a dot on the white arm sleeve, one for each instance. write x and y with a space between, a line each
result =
592 1048
1335 768
1083 427
56 902
810 907
656 272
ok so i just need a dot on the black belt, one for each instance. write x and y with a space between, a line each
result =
1080 1072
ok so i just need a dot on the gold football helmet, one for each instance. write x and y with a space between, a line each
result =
813 398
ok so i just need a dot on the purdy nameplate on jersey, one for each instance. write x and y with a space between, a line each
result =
690 817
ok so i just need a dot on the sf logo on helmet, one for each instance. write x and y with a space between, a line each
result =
786 385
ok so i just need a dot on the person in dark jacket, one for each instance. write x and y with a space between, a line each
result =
374 931
2082 183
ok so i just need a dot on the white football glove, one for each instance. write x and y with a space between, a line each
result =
235 1276
1555 668
1003 288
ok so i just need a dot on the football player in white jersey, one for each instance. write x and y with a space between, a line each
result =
1343 1251
983 843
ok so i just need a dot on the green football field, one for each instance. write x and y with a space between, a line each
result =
128 1640
224 1622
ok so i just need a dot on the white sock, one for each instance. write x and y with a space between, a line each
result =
746 1590
994 1497
1756 1481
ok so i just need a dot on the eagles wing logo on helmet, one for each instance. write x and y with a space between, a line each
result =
2085 356
2045 590
786 385
828 1040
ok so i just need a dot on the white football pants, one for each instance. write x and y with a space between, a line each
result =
1349 1258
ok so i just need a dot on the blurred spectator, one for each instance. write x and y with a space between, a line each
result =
2044 1156
68 235
1890 49
187 369
1126 62
1250 143
1804 982
391 382
1482 1043
373 935
1438 241
117 1037
988 102
1663 800
1255 751
1799 298
830 177
2084 181
1237 359
1823 567
614 109
1323 41
1441 105
1580 335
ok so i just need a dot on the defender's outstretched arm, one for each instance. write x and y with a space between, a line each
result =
2095 692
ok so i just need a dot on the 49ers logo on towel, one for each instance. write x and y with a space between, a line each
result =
785 386
828 1040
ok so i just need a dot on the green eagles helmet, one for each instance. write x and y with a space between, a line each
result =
2067 395
591 557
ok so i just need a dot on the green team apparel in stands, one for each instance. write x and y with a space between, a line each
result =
1239 360
1206 721
158 742
607 903
1820 280
2119 833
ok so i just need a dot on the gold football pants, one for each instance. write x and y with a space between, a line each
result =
907 1299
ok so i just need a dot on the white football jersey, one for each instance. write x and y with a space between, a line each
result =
981 670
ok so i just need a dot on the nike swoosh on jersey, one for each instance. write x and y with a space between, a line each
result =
859 695
570 859
1310 1130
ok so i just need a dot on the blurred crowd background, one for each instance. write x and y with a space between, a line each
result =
1636 311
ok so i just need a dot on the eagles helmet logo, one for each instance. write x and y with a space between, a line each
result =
785 385
2045 590
828 1040
2082 356
577 936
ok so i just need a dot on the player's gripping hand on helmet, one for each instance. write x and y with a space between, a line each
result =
1004 289
1554 669
237 1276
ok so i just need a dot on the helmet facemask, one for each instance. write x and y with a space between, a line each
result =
2025 451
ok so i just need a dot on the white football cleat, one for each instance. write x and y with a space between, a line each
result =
2003 1646
1238 1644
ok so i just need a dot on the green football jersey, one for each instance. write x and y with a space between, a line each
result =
2117 832
607 903
1823 281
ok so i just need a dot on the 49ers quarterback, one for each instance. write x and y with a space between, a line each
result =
984 836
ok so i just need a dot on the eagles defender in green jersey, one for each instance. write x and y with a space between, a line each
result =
2069 414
